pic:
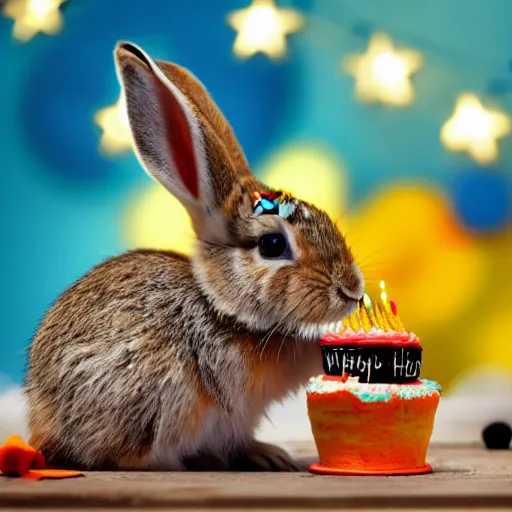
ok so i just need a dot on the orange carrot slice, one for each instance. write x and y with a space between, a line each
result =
19 459
40 474
16 457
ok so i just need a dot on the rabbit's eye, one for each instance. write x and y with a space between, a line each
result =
273 245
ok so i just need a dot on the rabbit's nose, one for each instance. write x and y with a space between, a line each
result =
353 283
347 295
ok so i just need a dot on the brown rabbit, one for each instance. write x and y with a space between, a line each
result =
155 361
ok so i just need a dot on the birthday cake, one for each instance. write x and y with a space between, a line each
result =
371 413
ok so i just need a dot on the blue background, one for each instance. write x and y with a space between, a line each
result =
62 202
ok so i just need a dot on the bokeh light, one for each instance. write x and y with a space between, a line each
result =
486 341
475 129
383 74
34 16
488 333
407 235
483 199
113 121
262 27
157 220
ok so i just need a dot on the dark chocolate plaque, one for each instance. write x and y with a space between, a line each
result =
391 364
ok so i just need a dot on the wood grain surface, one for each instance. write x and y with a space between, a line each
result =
465 477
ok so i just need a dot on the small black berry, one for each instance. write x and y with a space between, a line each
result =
497 436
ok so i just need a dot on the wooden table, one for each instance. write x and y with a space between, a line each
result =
465 477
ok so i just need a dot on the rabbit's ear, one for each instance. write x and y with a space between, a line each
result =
180 136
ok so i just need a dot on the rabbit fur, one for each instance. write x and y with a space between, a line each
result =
157 361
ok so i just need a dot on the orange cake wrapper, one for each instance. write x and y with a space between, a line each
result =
372 429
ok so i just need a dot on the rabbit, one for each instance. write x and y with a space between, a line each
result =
157 361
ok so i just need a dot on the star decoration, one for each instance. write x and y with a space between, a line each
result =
113 120
262 27
34 16
475 129
383 73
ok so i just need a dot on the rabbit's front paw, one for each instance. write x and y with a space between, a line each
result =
205 462
263 457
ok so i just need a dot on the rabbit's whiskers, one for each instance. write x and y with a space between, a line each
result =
278 325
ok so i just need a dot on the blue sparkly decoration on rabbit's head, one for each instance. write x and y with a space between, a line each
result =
272 203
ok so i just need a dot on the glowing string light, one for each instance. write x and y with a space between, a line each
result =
262 27
383 73
475 129
113 120
34 16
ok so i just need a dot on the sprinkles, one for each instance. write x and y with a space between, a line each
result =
374 392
